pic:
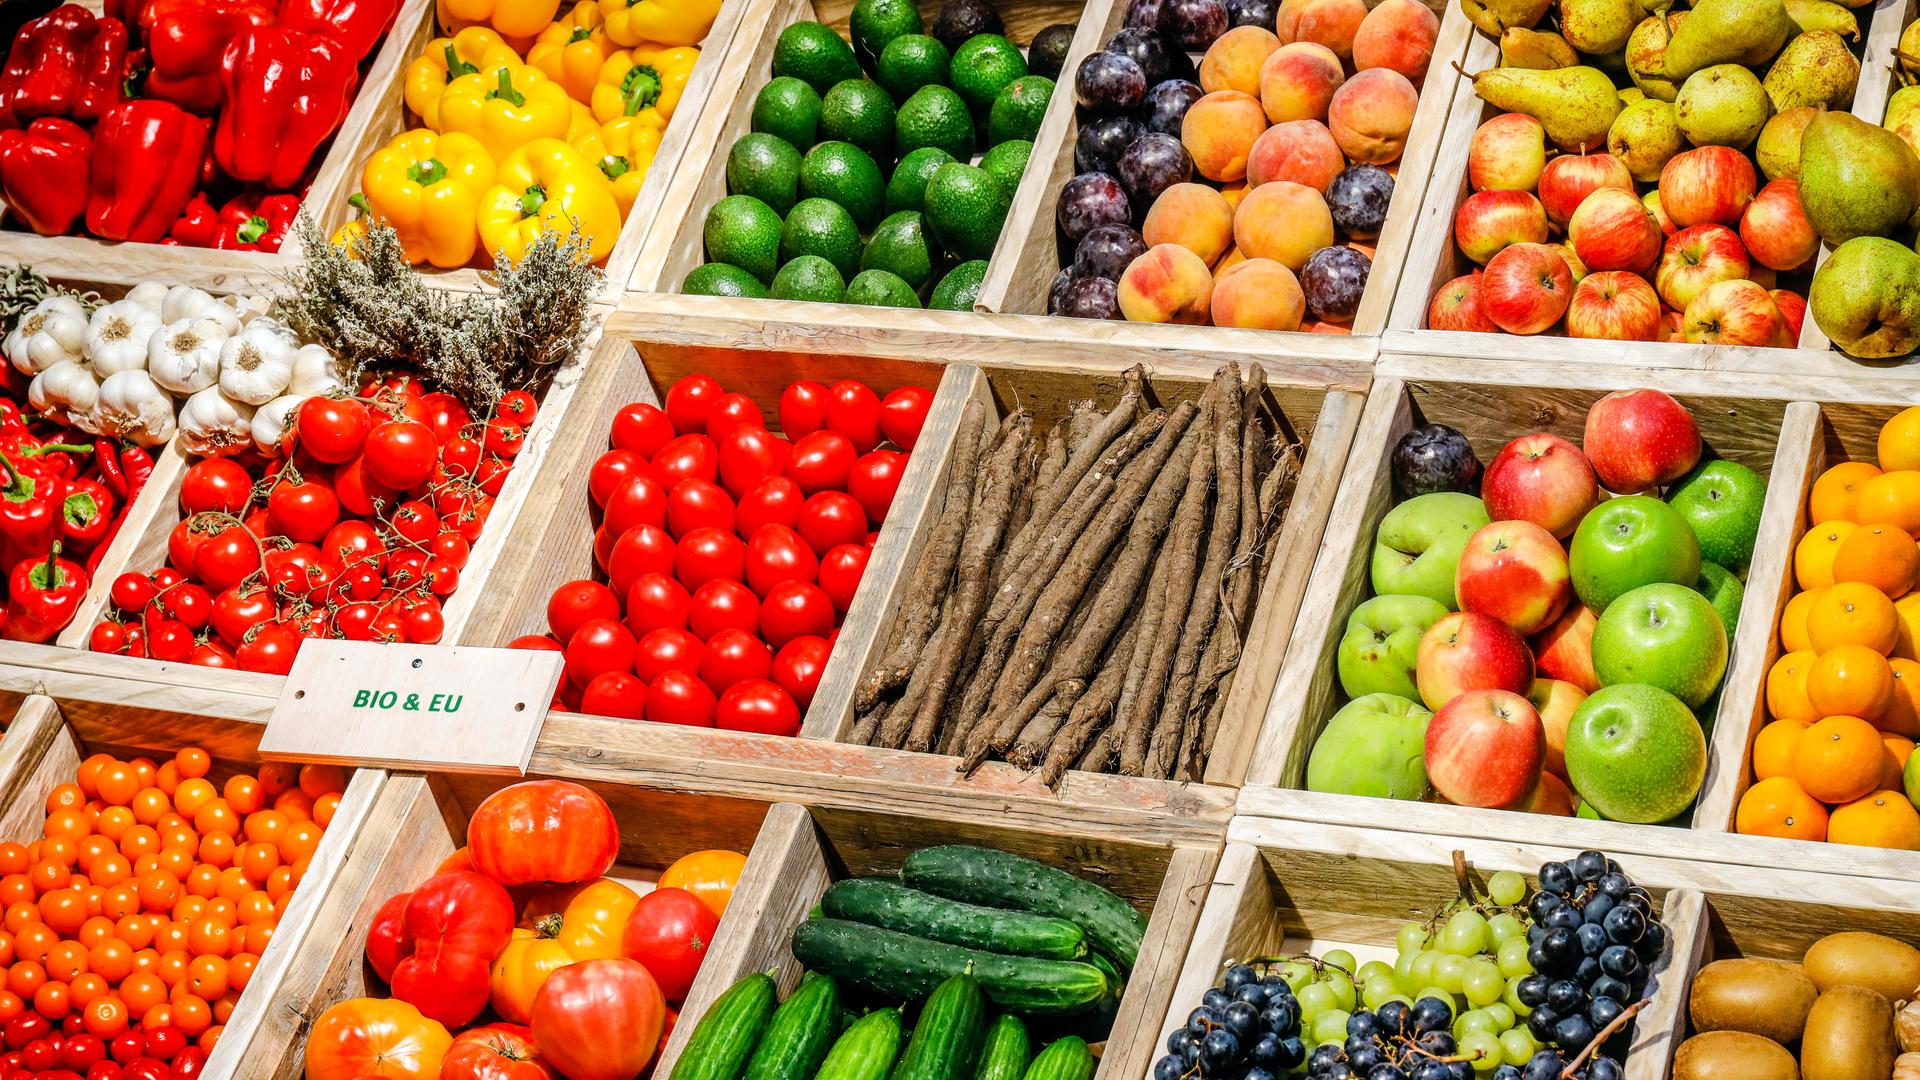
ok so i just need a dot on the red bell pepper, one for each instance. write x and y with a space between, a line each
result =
197 223
43 595
65 63
29 508
358 25
185 39
287 92
85 513
43 172
146 164
255 224
436 945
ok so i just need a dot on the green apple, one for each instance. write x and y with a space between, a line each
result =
1418 545
1586 810
1662 635
1636 754
1721 500
1723 591
1381 648
1375 746
1911 778
1629 542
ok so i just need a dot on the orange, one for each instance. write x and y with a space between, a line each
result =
1839 759
1851 680
1836 495
1880 555
1777 807
1903 713
1892 497
1793 621
1813 555
1852 613
1899 446
1787 688
1773 748
1881 819
1899 749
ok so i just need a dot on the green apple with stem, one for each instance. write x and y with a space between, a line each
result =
1635 753
1381 648
1629 542
1662 635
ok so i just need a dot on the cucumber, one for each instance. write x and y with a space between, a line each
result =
866 1050
908 968
889 904
1004 1054
980 875
1063 1059
726 1036
946 1040
798 1035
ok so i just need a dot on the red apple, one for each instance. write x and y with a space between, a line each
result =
1574 266
1564 651
1491 220
1568 179
1465 651
1639 439
1507 153
1457 307
1543 479
1793 311
1526 288
1613 231
1697 257
1516 572
1670 326
1651 200
1485 748
1617 305
1733 313
1775 227
1555 701
1710 184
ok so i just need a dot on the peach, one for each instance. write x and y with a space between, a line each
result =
1258 294
1399 34
1167 284
1283 221
1194 216
1302 151
1371 114
1333 23
1219 132
1228 261
1234 192
1297 82
1234 60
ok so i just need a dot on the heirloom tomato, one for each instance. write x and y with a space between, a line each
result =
543 830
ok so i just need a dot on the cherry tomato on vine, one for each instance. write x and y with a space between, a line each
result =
352 539
641 428
445 415
333 430
400 454
168 639
452 547
270 649
223 559
131 591
304 511
803 408
414 522
822 461
213 654
357 491
503 437
517 407
903 413
853 410
424 622
186 602
107 637
690 400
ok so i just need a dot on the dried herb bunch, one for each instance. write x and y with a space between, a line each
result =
373 310
22 289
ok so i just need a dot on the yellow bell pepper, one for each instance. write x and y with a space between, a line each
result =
347 237
670 22
623 150
546 186
446 59
513 18
645 83
506 107
428 188
571 50
580 123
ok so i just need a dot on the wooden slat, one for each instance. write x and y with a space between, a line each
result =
1662 1026
1135 1043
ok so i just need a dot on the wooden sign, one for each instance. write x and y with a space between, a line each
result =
427 707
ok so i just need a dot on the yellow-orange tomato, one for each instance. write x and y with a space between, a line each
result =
709 875
365 1037
521 970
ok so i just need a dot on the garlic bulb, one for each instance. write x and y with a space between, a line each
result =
65 389
117 336
55 330
184 356
132 406
148 294
257 363
251 307
187 302
314 372
1906 1067
1906 1026
271 421
213 424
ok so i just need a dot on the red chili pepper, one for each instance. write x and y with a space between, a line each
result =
43 595
358 25
29 507
197 225
65 63
287 92
255 224
184 41
43 172
146 163
85 513
137 464
108 462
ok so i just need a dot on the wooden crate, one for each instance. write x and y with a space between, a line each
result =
385 115
1433 260
1028 256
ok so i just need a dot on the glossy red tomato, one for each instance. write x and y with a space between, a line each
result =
609 471
355 622
759 706
223 559
461 456
494 1052
840 572
615 693
270 649
803 408
598 645
853 410
535 642
669 932
302 511
657 601
425 623
830 519
774 501
775 554
731 411
903 413
352 538
690 400
445 415
698 504
182 544
107 637
679 697
517 407
576 603
333 430
661 651
722 604
688 457
492 473
822 461
708 553
503 437
641 499
168 639
748 455
733 655
187 602
453 548
641 428
131 591
357 491
215 484
239 609
400 454
542 830
874 480
795 609
646 549
599 1019
415 522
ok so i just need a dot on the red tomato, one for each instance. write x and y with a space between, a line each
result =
576 603
495 1052
453 548
758 706
503 437
302 511
822 461
875 479
240 609
640 500
669 932
372 1037
598 645
722 604
517 407
645 549
690 400
795 609
425 623
615 693
357 491
641 428
840 571
542 830
689 457
830 519
215 484
599 1019
733 655
351 539
748 455
677 697
535 642
131 591
445 415
333 430
461 457
355 623
657 601
903 413
400 454
775 501
107 637
698 504
803 408
226 557
270 649
415 522
610 471
661 651
853 410
776 554
182 545
168 639
731 411
187 602
708 553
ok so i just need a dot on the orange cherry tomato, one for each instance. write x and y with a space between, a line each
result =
142 990
117 783
193 794
51 1001
207 977
66 961
192 762
709 875
240 969
244 794
24 977
113 823
166 778
111 960
85 988
13 858
105 1017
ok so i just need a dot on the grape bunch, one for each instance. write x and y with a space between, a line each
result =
1590 946
1248 1028
1396 1041
1551 1065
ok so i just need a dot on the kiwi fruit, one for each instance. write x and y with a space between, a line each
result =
1760 997
1849 1036
1875 961
1733 1055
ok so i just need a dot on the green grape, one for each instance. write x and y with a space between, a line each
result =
1317 998
1401 998
1378 989
1465 933
1483 1048
1450 974
1331 1026
1507 887
1511 999
1344 992
1341 959
1475 1020
1412 938
1512 958
1403 966
1506 926
1370 969
1298 974
1424 965
1483 984
1517 1045
1502 1015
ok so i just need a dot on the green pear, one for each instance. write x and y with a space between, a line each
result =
1495 16
1815 69
1746 32
1903 115
1811 15
1778 148
1647 55
1856 179
1598 26
1908 51
1575 105
1723 105
1538 49
1644 136
1631 94
1866 297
